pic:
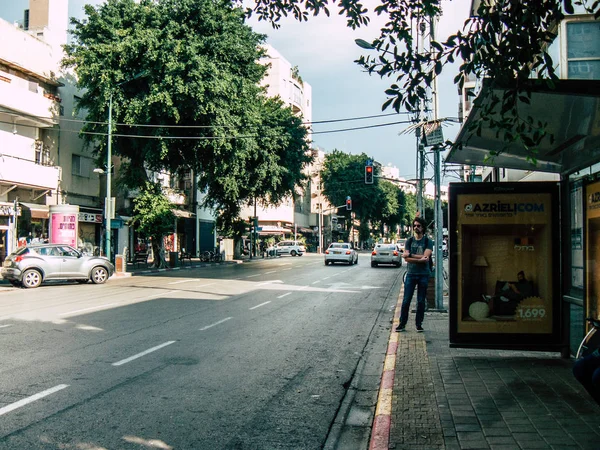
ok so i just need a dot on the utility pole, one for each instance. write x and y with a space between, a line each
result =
438 218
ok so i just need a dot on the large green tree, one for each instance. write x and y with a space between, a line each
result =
184 78
379 204
506 41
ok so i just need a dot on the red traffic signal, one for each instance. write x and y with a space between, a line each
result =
348 203
368 174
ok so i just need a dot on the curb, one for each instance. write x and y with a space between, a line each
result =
380 434
194 266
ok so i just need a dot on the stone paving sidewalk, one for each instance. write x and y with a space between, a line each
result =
448 398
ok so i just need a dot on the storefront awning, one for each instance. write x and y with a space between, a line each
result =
183 214
37 211
572 114
272 229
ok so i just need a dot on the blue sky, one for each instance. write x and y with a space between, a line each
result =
324 50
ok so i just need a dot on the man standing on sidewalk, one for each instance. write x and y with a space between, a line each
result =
417 254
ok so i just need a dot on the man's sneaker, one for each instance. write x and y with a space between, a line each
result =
400 328
420 329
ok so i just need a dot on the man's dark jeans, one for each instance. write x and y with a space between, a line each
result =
419 281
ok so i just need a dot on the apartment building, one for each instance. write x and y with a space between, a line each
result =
306 212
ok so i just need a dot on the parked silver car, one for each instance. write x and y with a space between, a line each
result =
341 252
30 266
386 254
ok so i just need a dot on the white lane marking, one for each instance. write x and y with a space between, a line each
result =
87 309
269 282
215 324
181 281
257 275
326 278
262 304
33 398
272 271
139 355
315 282
162 293
284 295
4 326
210 284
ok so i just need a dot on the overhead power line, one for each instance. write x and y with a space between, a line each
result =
241 136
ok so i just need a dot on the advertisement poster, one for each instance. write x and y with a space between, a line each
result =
593 249
504 263
64 224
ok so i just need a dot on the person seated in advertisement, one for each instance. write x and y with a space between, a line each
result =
509 294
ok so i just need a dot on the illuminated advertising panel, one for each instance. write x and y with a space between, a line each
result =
504 265
592 193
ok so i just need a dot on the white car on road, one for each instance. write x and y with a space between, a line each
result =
292 248
341 252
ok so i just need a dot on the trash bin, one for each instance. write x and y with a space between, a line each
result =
173 259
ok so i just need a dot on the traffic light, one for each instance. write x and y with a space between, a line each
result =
368 174
348 203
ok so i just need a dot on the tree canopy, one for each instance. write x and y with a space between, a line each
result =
183 76
506 42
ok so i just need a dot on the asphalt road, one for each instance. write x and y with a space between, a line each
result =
258 355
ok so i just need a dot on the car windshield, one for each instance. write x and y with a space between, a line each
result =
335 245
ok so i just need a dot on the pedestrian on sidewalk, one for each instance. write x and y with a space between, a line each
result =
417 254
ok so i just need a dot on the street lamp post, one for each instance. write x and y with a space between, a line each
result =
108 202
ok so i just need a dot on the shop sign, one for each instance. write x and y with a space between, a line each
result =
8 210
504 292
90 218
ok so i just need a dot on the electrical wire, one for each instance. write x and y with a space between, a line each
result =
226 126
248 136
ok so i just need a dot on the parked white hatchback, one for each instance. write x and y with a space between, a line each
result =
341 252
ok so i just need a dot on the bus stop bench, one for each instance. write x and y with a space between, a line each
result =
183 255
140 258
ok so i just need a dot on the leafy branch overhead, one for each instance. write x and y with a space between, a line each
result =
506 42
184 77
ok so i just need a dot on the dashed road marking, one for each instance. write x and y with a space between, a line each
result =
215 324
262 304
162 293
139 355
284 295
87 309
33 398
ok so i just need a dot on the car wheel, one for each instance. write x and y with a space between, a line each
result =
373 264
99 275
398 265
293 253
31 279
326 263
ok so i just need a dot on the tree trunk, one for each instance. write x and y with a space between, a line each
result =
159 254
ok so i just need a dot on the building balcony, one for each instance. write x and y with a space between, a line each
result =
176 197
34 107
22 172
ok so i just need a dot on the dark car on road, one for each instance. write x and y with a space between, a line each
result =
30 266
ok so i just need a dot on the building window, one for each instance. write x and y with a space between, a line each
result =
33 86
42 153
583 51
80 166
